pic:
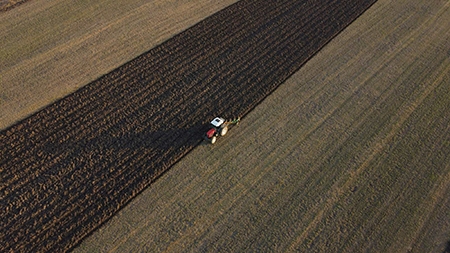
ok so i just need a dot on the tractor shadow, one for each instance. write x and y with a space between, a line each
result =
447 249
159 137
158 142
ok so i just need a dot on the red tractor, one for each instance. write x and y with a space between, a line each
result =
219 127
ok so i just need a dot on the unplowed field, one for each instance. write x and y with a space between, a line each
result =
71 166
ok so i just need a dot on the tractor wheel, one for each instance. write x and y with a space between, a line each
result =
213 139
223 130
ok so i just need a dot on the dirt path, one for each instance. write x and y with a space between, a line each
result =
75 163
351 154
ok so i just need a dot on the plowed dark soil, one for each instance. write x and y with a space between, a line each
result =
6 5
70 167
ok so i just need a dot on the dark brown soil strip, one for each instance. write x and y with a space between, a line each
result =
6 5
70 167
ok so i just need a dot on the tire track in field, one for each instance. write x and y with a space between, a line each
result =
71 166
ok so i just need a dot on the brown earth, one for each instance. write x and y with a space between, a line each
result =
72 165
6 5
350 154
52 48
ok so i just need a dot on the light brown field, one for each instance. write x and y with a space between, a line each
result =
351 154
51 48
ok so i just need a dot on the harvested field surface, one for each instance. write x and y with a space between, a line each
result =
71 166
350 154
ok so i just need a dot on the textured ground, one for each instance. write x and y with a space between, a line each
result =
6 5
52 48
71 166
351 154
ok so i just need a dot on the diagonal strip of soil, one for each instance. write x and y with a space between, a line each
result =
70 167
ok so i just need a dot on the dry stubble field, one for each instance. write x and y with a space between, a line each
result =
351 154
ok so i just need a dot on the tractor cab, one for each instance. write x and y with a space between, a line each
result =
217 122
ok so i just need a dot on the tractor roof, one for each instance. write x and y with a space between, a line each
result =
217 122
